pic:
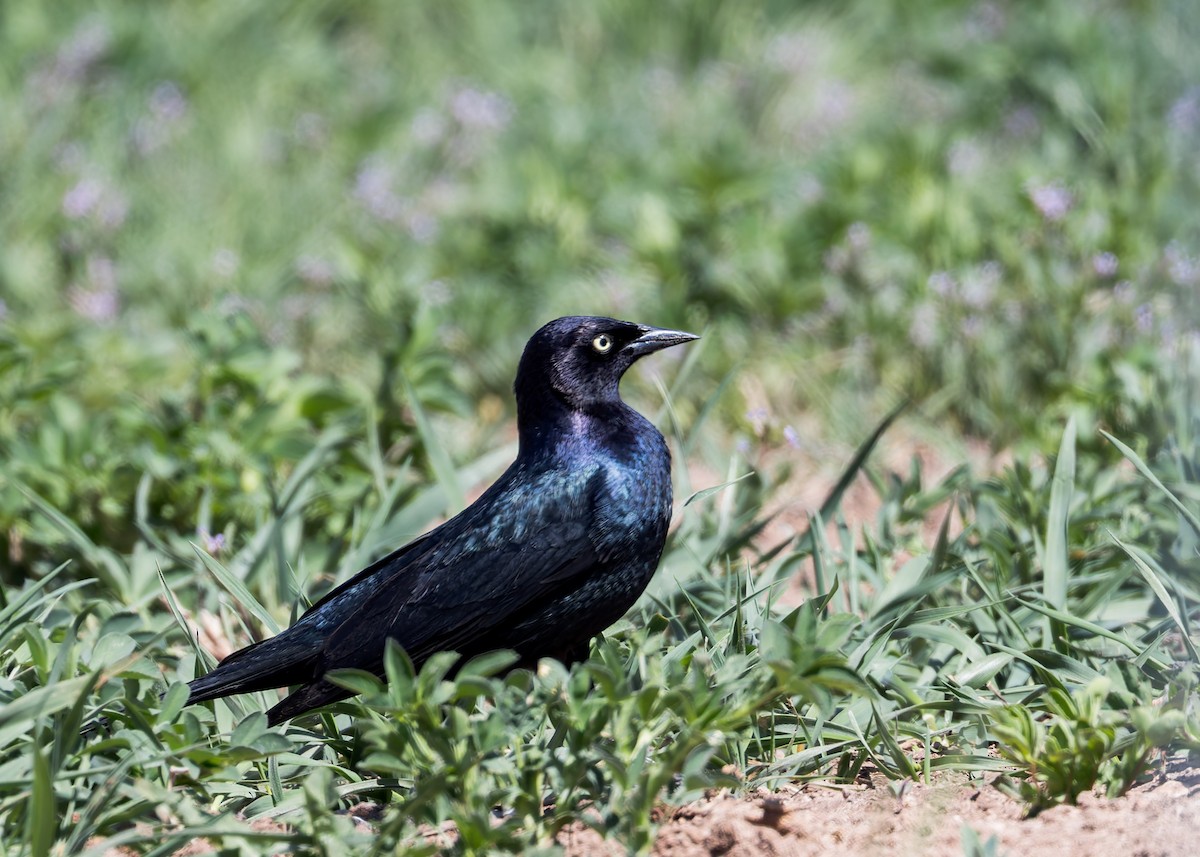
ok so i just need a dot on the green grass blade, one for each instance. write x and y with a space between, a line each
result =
834 498
104 560
1083 624
18 716
1156 581
708 492
206 660
439 458
1137 462
1055 568
42 820
237 589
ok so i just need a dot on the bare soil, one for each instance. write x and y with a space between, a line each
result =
1157 819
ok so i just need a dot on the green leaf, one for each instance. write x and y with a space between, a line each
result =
19 715
1159 586
983 670
1055 566
708 492
439 458
237 589
1137 462
42 820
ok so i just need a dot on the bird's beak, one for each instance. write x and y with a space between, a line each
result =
651 339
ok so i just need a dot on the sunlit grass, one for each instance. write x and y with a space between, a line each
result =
265 278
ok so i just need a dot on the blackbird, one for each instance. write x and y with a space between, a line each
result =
550 555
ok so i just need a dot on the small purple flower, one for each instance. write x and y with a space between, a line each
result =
374 188
86 47
213 544
1143 317
1053 201
168 103
757 417
942 284
99 300
480 110
1168 335
83 198
792 438
1182 267
1184 115
167 107
836 103
1105 264
91 197
96 305
791 52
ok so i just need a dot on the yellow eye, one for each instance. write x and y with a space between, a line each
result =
603 343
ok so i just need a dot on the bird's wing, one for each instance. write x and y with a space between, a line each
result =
456 591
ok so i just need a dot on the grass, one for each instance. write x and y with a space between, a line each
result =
265 279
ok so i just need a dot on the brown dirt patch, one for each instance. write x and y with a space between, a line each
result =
1158 819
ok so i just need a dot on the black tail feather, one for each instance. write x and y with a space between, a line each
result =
277 662
306 698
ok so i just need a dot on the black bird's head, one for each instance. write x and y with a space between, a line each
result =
579 360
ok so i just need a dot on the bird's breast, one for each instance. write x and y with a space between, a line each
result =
634 507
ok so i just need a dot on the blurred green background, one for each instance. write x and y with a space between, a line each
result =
227 225
265 274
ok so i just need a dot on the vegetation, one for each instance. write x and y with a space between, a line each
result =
265 278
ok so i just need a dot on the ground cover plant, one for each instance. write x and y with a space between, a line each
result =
264 281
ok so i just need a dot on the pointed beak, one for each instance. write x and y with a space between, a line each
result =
653 339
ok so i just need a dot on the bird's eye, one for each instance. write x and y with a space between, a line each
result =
603 343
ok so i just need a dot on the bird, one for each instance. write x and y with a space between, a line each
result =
555 551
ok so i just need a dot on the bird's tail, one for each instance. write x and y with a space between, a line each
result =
272 663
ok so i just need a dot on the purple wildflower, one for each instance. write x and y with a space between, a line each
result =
1105 264
1053 201
1143 317
83 198
374 188
213 544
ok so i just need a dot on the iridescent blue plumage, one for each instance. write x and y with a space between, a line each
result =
551 554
